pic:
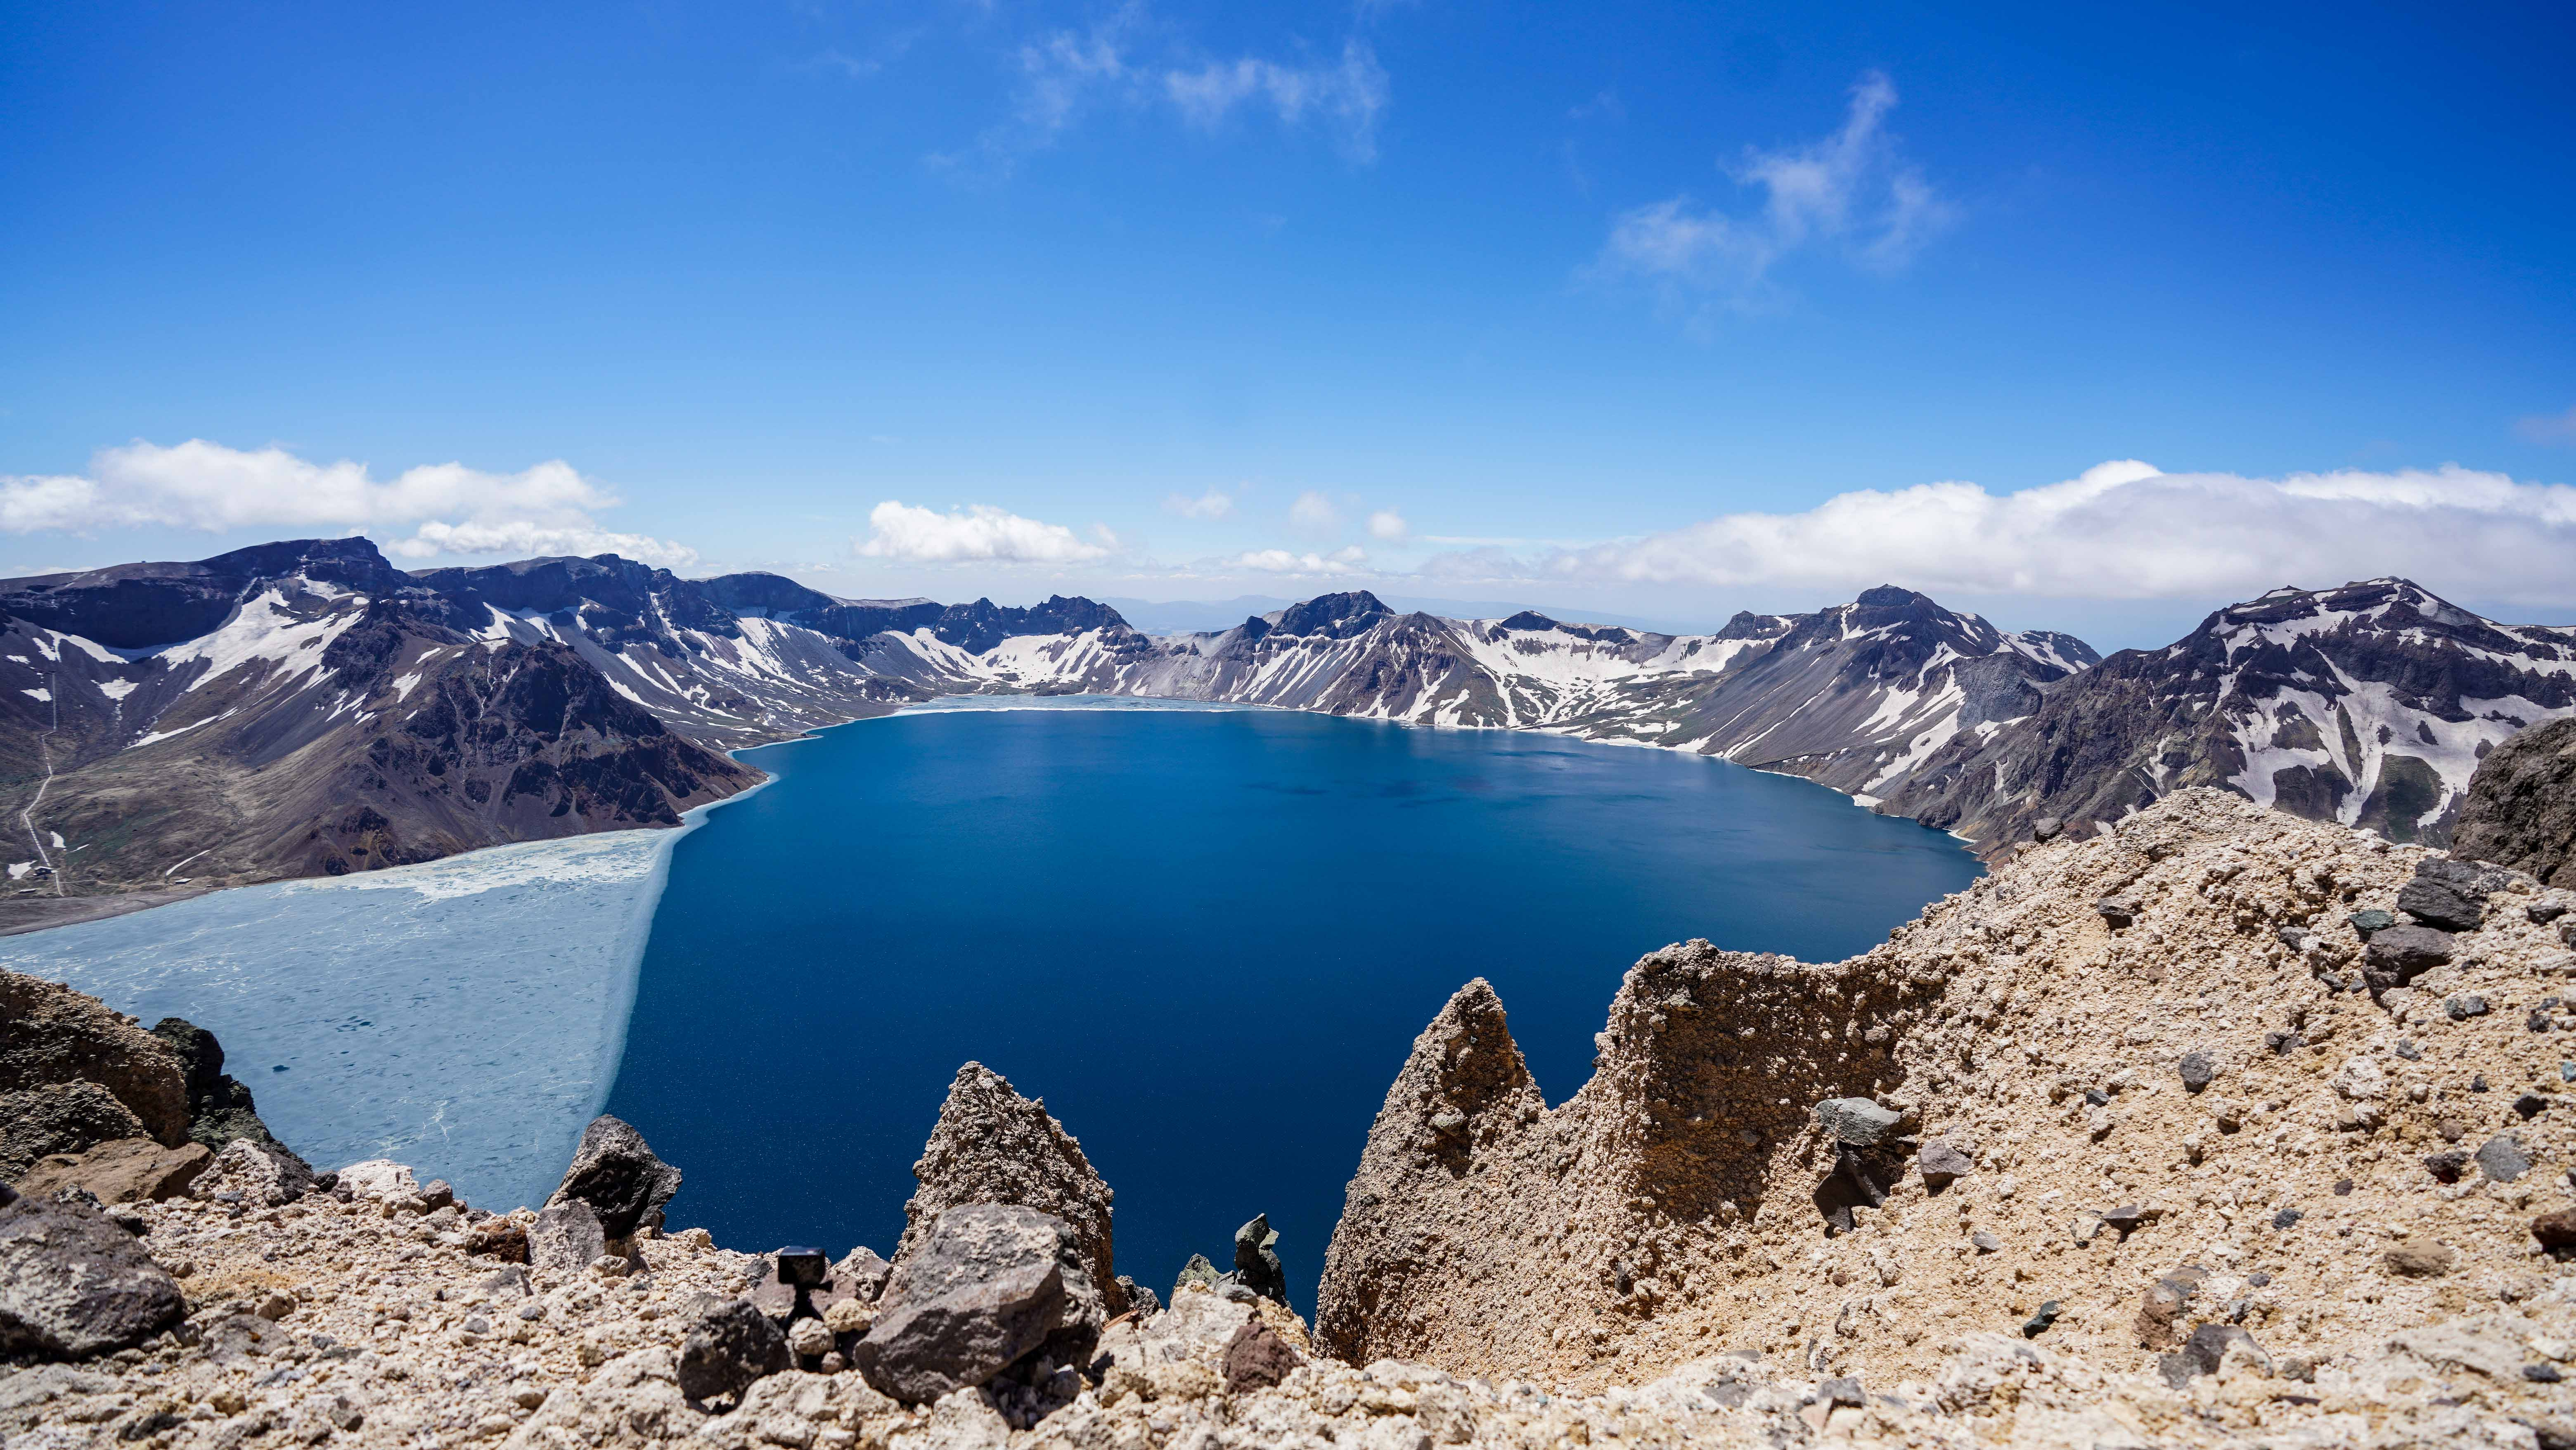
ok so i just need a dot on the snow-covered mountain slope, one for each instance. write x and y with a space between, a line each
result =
1854 695
325 719
2370 704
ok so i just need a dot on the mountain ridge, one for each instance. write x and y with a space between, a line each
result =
304 706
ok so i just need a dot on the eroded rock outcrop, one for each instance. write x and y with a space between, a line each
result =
52 1041
2017 1117
993 1146
2521 806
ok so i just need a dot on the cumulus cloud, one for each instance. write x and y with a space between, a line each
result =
1213 504
1389 525
977 534
2120 530
1315 512
450 509
1850 191
1283 561
1346 95
2548 428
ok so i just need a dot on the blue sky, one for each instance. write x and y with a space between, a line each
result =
1660 309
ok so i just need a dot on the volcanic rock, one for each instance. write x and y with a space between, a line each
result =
615 1173
74 1284
51 1036
565 1239
727 1348
2521 805
991 1145
984 1285
127 1170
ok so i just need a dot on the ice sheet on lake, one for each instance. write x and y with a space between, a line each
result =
463 1016
945 704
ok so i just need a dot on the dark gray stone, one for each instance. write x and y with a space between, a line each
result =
2461 1009
1859 1122
565 1238
727 1348
2119 911
2436 904
2205 1351
1140 1300
2529 1106
2287 1218
1841 1391
2542 913
2197 1069
2040 1323
74 1284
2502 1159
986 1286
1256 1260
1943 1161
2447 1165
1197 1271
615 1173
2398 955
2369 923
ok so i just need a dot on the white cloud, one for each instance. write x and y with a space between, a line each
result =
1389 525
1850 190
2548 428
1213 504
1066 75
1282 561
451 509
980 533
1314 512
2121 530
1346 95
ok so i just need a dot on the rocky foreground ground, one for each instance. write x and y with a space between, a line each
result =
2218 1128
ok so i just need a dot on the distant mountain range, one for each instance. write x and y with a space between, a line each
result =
305 708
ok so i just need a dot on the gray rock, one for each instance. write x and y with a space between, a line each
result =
2542 913
74 1284
2197 1069
1859 1122
985 1286
2119 911
2469 878
2206 1350
1942 1161
1842 1391
2461 1009
615 1173
1256 1259
2502 1159
264 1174
2398 955
2436 904
1986 1243
1140 1300
70 1117
727 1348
992 1145
1197 1271
2447 1165
2041 1322
2370 923
565 1238
863 1273
2046 828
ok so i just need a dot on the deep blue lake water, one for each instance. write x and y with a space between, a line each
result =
1205 938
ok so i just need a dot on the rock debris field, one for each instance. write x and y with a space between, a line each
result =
2216 1128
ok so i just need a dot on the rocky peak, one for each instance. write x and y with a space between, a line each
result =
1334 616
993 1146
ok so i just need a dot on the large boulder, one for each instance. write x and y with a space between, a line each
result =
51 1035
615 1173
727 1348
993 1146
65 1117
2520 810
987 1285
75 1284
219 1107
127 1170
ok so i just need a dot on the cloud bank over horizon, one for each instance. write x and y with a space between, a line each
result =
449 508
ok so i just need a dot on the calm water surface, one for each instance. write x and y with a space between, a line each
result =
1205 938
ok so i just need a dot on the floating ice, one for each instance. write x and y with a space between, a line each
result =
464 1016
